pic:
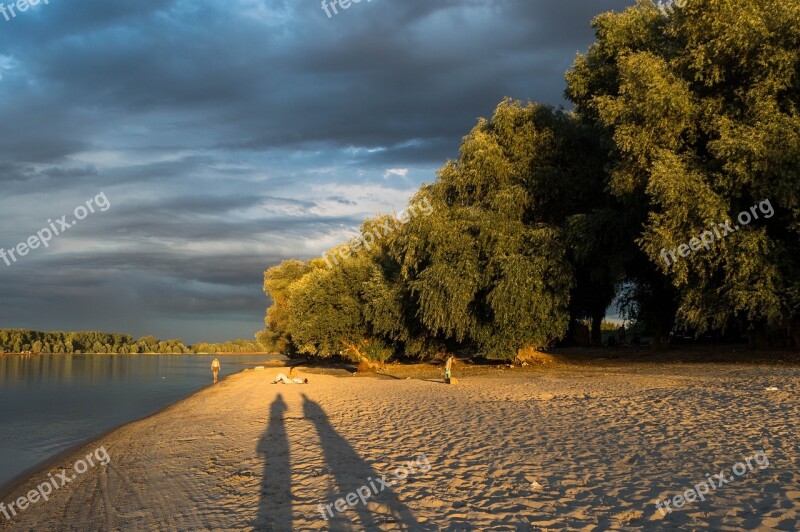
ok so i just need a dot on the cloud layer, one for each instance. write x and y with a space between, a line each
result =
231 135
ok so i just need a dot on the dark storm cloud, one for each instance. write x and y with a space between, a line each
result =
231 135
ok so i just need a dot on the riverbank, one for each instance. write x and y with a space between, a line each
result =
549 447
52 403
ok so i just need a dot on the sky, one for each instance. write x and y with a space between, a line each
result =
217 138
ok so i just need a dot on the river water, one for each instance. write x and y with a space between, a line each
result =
49 403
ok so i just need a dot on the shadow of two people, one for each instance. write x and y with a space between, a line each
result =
349 470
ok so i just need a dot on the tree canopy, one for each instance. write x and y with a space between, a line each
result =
683 120
701 105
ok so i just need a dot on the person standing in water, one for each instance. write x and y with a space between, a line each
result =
215 366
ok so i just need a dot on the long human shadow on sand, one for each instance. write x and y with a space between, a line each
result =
351 472
275 504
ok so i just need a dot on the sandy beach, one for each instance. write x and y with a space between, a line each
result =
583 447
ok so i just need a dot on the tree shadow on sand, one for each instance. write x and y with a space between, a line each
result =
351 472
275 504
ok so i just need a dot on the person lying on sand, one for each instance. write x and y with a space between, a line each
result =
286 380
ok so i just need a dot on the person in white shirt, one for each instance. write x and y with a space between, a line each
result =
286 380
215 367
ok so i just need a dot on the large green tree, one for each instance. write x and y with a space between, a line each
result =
702 106
683 119
489 268
347 303
276 337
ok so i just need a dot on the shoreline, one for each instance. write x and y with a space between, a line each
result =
247 454
562 362
48 464
722 354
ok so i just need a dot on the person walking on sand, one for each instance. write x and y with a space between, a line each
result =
215 367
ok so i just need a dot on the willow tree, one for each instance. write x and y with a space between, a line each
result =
520 234
276 336
348 303
489 267
327 311
701 103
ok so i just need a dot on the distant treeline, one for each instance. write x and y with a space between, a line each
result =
685 124
234 346
28 341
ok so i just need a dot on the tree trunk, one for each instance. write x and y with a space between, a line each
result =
597 331
661 337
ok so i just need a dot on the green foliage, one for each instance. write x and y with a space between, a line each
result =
326 308
233 346
702 108
486 269
349 307
24 340
277 280
92 342
682 120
